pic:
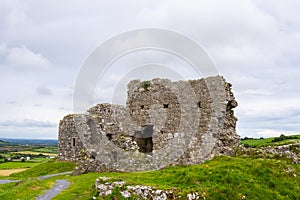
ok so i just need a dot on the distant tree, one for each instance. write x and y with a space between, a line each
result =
282 136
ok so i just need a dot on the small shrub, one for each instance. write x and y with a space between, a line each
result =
145 85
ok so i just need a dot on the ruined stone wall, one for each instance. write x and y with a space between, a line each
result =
156 103
195 116
69 143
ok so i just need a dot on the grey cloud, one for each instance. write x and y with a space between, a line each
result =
27 123
12 102
22 58
43 90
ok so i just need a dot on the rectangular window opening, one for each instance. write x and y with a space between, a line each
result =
73 142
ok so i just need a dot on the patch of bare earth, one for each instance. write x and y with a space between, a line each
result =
7 172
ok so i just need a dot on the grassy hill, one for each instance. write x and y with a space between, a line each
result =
220 178
238 177
275 141
3 143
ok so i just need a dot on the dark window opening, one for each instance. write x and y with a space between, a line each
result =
109 136
144 139
142 106
94 155
166 105
101 126
73 142
199 104
161 131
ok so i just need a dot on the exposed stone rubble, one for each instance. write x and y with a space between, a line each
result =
193 195
163 123
86 162
105 187
125 142
290 151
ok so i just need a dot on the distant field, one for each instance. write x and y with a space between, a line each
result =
17 165
268 141
35 153
50 149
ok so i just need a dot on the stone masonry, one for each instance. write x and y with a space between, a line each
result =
163 123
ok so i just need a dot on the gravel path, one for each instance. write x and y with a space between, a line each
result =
57 188
8 181
51 175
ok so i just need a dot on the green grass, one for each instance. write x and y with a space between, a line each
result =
17 165
268 142
48 149
30 187
27 189
50 167
220 178
82 187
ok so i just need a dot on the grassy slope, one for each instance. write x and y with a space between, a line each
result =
30 187
220 178
227 178
50 167
268 141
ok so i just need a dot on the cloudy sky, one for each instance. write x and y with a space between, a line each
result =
254 44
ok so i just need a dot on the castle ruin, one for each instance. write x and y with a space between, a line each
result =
163 123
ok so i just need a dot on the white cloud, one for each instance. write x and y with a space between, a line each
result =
265 133
23 58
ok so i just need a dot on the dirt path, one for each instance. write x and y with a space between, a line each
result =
51 175
57 188
7 172
8 181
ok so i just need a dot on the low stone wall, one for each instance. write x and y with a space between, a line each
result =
289 151
104 187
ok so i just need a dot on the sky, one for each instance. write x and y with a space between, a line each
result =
253 43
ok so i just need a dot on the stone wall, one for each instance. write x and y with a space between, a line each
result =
163 123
